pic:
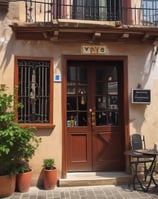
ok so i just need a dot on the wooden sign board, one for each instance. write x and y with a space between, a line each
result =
141 96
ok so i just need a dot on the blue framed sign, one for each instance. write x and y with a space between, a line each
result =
57 77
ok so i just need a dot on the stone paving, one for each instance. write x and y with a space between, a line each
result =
88 192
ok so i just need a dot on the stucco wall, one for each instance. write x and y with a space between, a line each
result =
142 70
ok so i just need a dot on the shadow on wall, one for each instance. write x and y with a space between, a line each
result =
138 110
8 53
150 64
3 11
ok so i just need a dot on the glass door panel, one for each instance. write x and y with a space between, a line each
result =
77 96
106 96
106 99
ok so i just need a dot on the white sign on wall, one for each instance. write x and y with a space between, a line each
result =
90 50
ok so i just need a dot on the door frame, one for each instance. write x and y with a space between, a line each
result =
125 103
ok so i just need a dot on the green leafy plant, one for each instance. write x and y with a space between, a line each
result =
17 144
48 164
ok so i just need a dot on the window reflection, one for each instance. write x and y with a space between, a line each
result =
77 96
112 88
106 99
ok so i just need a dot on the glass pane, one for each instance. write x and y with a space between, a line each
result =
82 102
101 88
82 90
71 103
100 74
113 88
71 90
82 74
108 73
34 91
82 119
100 103
71 73
71 119
77 96
113 118
101 118
113 102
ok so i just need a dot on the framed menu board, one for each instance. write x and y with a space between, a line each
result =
141 96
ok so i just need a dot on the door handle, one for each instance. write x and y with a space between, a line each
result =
93 119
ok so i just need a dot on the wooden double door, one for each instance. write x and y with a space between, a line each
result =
94 115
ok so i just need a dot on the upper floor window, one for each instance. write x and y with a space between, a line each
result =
150 11
103 10
4 4
35 91
97 10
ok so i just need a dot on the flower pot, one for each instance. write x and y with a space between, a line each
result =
24 181
50 178
7 185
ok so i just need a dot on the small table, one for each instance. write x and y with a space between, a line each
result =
147 158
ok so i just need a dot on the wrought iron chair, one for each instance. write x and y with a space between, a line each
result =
140 163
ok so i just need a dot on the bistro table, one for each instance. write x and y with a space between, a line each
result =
142 163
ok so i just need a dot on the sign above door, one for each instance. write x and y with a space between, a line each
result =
93 50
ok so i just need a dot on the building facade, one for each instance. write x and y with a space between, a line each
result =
86 73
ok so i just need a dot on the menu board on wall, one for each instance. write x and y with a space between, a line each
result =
141 96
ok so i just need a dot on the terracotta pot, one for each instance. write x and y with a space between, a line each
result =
7 185
50 178
23 181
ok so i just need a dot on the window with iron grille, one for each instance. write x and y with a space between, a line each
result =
34 82
4 3
150 11
102 10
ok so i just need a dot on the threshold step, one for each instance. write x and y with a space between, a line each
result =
94 178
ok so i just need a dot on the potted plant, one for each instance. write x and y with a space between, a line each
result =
27 144
50 174
17 144
7 153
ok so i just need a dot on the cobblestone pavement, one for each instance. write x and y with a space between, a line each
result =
88 192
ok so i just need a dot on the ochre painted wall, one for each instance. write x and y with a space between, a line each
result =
142 70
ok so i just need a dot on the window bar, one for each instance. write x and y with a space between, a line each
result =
48 11
42 103
51 14
21 90
39 94
114 10
26 8
53 9
25 91
35 5
44 11
119 10
102 12
33 93
46 94
29 90
110 10
30 11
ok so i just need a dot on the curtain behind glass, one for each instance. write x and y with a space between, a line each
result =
66 9
102 9
90 9
78 9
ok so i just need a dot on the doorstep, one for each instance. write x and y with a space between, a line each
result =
94 178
